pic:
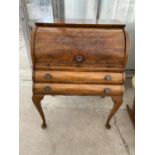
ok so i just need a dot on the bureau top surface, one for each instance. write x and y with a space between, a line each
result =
111 23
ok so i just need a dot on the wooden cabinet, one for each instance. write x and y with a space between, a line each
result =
83 58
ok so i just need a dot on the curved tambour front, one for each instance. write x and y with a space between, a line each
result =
78 89
79 77
70 46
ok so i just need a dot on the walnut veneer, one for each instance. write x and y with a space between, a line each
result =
79 58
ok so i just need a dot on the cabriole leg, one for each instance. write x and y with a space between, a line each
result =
37 102
117 103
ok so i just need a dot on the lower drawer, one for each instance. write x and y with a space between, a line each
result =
78 89
78 77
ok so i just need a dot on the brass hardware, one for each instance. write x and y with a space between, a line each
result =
108 78
79 58
48 76
107 90
47 89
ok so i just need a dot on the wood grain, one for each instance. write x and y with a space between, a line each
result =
99 68
62 45
78 89
74 57
127 46
32 44
37 102
76 77
118 100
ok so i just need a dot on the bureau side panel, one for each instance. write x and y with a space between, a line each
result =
32 44
127 46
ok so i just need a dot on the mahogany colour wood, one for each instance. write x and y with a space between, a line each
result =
97 67
62 45
79 58
36 100
78 89
118 100
75 77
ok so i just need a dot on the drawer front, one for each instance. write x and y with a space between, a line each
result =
80 46
79 77
78 89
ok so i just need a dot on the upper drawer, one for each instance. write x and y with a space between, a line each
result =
79 46
79 77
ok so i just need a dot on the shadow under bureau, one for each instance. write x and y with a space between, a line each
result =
79 58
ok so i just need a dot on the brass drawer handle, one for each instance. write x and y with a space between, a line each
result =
48 76
79 58
47 89
107 91
108 78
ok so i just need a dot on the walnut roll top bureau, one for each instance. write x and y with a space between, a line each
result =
85 59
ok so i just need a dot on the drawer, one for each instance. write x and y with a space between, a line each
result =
79 77
70 46
78 89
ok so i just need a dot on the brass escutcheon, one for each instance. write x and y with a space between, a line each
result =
108 78
107 90
48 76
79 58
47 89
